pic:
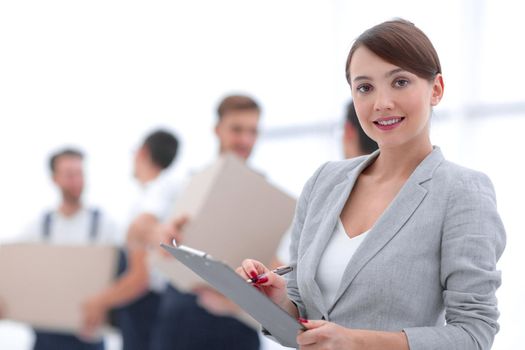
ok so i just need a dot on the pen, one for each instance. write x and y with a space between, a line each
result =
280 271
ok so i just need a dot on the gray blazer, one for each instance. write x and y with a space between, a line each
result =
429 259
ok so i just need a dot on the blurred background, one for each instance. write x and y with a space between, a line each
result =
101 74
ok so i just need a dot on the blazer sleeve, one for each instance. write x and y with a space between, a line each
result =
473 239
297 228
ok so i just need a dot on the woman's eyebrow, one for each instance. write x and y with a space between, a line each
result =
387 74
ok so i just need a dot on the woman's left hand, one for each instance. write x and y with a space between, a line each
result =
325 335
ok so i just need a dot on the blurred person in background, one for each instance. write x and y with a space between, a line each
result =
136 294
70 223
355 143
205 320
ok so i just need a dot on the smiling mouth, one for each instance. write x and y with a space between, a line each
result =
389 121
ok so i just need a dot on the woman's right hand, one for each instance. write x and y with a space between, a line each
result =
271 284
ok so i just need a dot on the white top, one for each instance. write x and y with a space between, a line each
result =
74 229
283 250
334 261
157 197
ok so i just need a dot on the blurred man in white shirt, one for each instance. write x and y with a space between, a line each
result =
136 293
205 320
71 223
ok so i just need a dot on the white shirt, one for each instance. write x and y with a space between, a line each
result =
283 250
157 197
74 229
335 259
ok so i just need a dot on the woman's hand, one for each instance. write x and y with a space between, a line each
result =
271 284
328 335
325 335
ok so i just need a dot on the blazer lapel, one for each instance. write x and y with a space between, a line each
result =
391 221
337 199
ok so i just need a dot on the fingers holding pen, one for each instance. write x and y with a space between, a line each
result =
268 282
252 269
260 276
269 278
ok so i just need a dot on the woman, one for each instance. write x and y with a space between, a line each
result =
398 249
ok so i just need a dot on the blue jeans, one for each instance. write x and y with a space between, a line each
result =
183 325
57 341
136 321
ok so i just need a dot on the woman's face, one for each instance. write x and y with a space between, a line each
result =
393 105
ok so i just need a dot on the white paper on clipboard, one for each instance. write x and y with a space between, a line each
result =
282 326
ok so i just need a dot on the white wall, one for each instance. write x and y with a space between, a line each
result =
100 74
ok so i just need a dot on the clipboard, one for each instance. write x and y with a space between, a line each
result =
281 325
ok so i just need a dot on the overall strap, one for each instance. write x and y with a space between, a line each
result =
46 225
93 229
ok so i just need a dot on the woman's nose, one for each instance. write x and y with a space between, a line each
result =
383 101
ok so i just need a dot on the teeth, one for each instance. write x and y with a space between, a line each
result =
389 122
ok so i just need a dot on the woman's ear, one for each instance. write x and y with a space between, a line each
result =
437 90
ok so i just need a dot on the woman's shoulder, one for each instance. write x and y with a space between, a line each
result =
461 177
340 168
332 173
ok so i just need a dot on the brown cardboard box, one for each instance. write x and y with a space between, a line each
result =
235 213
44 285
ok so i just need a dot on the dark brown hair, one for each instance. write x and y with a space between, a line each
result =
401 43
162 146
70 152
366 144
237 103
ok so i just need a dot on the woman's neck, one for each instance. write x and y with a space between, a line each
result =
398 163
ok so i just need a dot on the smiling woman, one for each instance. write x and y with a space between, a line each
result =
424 276
395 62
388 97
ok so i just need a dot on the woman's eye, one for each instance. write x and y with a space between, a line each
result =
364 88
401 83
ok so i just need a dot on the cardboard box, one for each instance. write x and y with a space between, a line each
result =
45 285
235 213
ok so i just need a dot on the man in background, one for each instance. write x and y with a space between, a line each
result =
206 320
70 223
136 293
355 143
